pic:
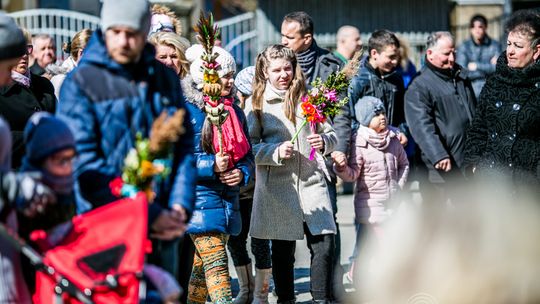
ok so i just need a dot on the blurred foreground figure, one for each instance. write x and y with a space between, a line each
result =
482 250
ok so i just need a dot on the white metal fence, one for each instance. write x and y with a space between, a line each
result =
243 35
239 35
60 24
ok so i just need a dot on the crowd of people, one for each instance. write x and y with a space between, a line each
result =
466 116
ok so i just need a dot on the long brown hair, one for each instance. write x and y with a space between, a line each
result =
296 89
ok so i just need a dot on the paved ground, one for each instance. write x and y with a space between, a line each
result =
345 220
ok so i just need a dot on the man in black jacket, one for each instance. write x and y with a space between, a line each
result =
439 106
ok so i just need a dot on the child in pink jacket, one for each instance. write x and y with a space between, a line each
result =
377 162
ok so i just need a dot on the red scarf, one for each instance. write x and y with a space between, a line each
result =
235 142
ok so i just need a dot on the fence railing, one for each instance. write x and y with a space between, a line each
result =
239 37
243 35
60 24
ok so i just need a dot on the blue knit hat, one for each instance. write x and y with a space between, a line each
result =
366 108
244 81
45 135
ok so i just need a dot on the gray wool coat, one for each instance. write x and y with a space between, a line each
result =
292 191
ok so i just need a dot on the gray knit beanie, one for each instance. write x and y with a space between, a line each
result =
131 13
366 108
12 40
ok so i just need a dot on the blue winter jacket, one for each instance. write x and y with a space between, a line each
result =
217 206
106 104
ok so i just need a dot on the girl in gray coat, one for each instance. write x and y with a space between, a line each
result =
291 197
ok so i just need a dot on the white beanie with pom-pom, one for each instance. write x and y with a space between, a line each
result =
194 54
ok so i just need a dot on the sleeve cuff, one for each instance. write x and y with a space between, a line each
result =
153 212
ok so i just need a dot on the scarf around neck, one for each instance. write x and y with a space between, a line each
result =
235 142
272 93
307 60
22 79
379 141
61 185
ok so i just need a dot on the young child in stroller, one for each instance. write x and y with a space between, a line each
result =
80 254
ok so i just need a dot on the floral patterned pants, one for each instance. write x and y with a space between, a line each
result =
210 274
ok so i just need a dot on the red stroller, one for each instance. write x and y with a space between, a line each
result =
100 260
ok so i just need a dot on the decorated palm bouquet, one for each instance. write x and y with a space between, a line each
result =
325 99
150 159
207 34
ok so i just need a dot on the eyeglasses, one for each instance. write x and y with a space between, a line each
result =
29 49
62 161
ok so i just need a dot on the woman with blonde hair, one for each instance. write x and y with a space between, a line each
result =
75 50
291 196
170 50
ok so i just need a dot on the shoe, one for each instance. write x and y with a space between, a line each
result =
350 273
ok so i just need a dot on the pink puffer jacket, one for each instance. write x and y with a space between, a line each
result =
379 165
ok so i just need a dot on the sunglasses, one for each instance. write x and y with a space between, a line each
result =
160 27
29 49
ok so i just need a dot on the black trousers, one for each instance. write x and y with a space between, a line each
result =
237 244
321 248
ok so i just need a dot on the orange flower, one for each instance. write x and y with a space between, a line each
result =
308 108
148 169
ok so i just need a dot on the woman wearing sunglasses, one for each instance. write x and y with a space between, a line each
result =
26 94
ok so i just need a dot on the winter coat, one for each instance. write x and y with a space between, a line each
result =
36 69
481 54
217 206
18 103
439 108
67 66
504 139
369 82
379 171
322 66
326 64
5 147
291 191
106 104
